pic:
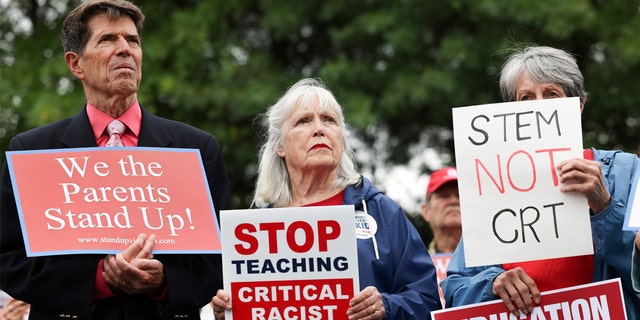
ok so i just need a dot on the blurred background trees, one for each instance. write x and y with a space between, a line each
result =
397 67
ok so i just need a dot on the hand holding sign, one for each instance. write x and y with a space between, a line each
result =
367 305
517 290
584 176
221 302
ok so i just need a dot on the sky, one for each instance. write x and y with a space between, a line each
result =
405 183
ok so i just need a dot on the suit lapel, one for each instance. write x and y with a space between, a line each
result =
79 132
153 132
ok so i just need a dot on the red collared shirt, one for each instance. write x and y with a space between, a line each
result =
132 119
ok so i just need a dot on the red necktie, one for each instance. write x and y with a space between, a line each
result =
115 129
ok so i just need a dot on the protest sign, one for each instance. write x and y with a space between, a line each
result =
97 200
290 263
632 216
441 262
597 301
510 200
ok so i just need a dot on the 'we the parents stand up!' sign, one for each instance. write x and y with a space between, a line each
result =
97 200
510 199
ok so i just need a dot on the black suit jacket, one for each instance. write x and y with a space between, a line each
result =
62 286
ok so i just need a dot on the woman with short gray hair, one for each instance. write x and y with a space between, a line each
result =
543 65
603 177
306 160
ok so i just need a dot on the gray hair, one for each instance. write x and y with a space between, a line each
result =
544 65
273 186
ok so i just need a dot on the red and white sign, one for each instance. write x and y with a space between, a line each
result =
596 301
441 262
97 200
290 263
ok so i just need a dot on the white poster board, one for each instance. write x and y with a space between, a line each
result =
510 200
632 216
290 263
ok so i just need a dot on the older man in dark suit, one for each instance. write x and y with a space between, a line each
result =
101 39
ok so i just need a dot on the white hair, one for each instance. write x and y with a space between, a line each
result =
273 186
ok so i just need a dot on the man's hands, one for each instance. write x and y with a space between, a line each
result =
517 290
134 270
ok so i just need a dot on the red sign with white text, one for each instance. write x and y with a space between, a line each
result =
599 300
97 200
292 299
441 262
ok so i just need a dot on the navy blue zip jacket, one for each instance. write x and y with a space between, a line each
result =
393 259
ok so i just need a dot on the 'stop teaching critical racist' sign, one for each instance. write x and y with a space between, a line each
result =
511 204
290 263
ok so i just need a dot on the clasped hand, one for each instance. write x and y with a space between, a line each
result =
134 270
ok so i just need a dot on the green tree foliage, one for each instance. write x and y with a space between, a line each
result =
396 66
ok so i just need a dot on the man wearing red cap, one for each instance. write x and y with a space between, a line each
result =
442 210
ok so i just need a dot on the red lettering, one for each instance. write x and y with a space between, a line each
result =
495 174
552 163
327 230
272 228
308 237
299 236
479 164
242 233
533 173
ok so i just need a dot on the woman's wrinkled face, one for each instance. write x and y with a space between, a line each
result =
313 139
527 89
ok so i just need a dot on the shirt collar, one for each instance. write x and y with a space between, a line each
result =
132 118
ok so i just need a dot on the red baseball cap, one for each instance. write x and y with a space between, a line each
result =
440 177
